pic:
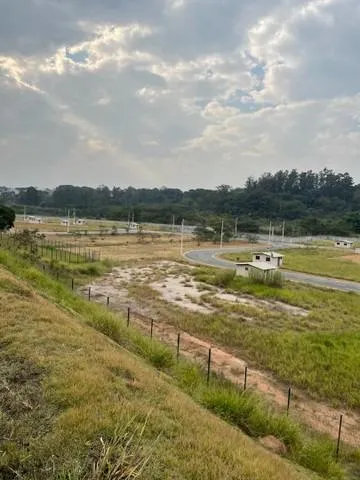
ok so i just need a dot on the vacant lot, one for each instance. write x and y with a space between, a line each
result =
138 248
53 224
74 405
308 337
329 262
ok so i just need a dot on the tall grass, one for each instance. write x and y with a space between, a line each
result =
271 278
243 410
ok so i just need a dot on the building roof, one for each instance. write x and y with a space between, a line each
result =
259 265
271 254
344 241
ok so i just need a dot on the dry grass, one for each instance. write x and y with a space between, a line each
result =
71 386
53 224
128 248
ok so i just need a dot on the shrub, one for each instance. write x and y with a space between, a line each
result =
224 278
270 278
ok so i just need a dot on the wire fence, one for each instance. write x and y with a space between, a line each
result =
341 427
53 250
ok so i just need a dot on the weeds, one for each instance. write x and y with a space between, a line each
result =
224 278
243 410
271 278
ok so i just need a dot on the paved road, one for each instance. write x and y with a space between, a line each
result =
209 257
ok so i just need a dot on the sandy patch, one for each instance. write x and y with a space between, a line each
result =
355 258
182 292
258 303
176 285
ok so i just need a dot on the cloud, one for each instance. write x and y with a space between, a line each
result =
176 92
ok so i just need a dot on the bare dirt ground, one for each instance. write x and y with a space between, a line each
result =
174 283
353 258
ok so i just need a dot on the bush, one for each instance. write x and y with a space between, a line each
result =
224 278
271 278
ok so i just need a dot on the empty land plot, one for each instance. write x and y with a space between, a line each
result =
135 247
306 336
54 224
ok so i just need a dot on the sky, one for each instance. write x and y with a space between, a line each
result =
178 93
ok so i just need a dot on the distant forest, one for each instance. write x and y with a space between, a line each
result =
311 203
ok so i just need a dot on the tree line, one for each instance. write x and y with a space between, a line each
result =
310 202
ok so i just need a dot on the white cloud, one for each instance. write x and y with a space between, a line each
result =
177 92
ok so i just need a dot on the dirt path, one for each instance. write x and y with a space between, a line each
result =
316 415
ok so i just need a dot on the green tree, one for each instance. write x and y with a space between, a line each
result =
7 218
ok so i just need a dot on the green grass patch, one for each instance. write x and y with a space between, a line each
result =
243 410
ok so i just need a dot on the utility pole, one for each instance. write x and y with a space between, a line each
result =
283 232
68 221
236 227
269 234
74 214
24 213
173 223
222 234
182 238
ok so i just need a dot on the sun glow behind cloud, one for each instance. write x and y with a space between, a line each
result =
176 92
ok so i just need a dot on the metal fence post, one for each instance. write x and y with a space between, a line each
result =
245 378
108 301
209 367
178 347
288 401
89 294
339 438
128 316
151 328
72 284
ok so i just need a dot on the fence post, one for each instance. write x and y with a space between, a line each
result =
72 284
209 367
57 276
339 438
151 328
89 294
245 378
108 301
128 316
178 347
288 401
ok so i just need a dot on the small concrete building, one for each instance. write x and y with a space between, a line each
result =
244 269
344 244
133 227
80 221
269 258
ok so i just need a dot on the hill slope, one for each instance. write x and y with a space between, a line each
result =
72 403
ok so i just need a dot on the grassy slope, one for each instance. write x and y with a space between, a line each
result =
66 385
318 261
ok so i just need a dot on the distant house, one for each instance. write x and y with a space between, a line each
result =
244 269
65 222
269 258
133 227
80 221
344 244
